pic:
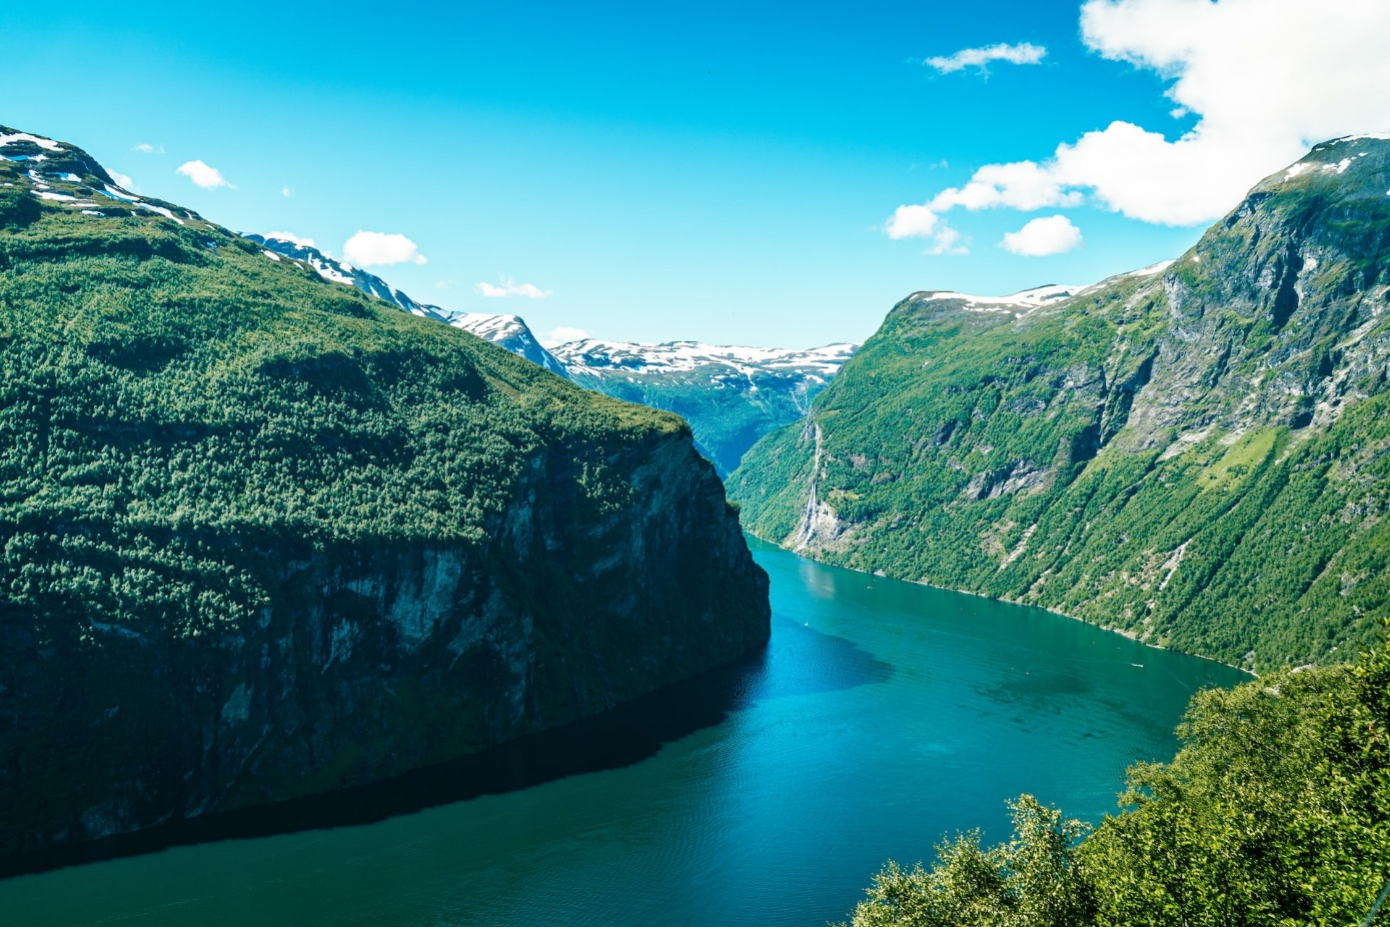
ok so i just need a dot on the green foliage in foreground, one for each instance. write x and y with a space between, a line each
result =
1276 812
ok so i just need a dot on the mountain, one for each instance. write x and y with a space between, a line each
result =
507 330
1193 453
266 536
730 395
511 332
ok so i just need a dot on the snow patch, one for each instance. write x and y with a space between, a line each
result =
49 195
1302 167
47 144
1152 269
272 255
330 270
159 209
598 357
116 194
1024 299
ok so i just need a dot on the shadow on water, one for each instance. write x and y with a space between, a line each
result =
623 736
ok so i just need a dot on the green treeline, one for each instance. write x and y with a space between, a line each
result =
175 403
1275 812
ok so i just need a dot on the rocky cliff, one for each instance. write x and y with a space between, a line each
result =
1192 453
265 536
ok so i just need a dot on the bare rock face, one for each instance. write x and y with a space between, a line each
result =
370 663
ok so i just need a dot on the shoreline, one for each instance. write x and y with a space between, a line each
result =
980 595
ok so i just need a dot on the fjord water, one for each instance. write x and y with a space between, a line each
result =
882 716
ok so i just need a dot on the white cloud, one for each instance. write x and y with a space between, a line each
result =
564 333
122 181
287 191
923 222
147 148
204 175
1021 185
366 249
1022 53
1040 237
508 288
445 284
1265 78
912 222
291 236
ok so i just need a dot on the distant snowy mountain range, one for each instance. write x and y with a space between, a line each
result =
730 395
507 330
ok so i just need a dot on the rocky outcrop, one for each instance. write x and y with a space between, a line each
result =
367 663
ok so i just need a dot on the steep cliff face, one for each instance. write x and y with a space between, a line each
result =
264 536
1192 453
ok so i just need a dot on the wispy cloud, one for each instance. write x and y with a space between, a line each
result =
203 175
980 58
924 222
287 192
509 288
122 180
147 148
1041 237
563 334
291 236
368 249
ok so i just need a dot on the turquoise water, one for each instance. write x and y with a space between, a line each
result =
882 716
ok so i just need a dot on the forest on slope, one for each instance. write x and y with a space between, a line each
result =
265 535
1192 454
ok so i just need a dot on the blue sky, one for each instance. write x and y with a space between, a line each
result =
664 171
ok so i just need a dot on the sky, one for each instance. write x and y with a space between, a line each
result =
730 172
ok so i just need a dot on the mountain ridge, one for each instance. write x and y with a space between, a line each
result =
731 395
1132 454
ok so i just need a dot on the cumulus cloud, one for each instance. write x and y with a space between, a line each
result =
509 288
923 222
564 333
204 175
147 148
122 180
291 236
1265 78
368 249
1040 237
1022 53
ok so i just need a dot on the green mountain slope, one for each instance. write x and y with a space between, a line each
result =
1193 454
262 535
